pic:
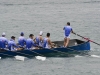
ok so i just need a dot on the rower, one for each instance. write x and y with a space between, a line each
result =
21 40
39 39
68 30
3 41
47 42
30 43
12 45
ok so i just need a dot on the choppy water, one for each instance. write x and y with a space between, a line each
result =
31 16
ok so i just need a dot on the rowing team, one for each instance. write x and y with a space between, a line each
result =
31 43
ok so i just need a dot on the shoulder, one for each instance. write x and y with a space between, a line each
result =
49 39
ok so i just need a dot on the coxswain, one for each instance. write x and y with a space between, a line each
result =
3 41
68 30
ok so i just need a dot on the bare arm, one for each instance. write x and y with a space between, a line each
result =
73 32
50 43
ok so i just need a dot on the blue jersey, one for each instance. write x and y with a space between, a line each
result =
67 29
45 43
3 42
29 43
12 45
39 42
21 41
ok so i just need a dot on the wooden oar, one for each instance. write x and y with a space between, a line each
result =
17 57
86 39
40 56
22 57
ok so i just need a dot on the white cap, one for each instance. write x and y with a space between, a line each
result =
3 33
41 33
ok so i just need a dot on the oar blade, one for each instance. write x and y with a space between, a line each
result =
95 56
0 57
40 58
21 58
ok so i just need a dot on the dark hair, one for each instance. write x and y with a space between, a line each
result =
22 34
12 37
48 34
31 35
68 23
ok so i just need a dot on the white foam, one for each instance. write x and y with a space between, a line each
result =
0 57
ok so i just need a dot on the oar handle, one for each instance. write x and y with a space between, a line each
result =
86 38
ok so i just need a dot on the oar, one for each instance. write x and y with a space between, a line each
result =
86 38
55 50
17 57
22 57
40 56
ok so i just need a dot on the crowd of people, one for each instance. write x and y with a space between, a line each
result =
32 43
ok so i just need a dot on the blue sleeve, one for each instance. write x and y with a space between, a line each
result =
33 44
15 45
25 40
6 41
64 28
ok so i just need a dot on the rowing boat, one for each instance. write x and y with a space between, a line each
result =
75 45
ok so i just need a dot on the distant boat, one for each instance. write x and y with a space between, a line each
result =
75 45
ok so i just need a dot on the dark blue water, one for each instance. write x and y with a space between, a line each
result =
32 16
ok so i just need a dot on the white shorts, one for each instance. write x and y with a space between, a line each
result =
67 36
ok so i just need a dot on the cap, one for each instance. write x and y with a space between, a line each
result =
22 33
41 33
3 33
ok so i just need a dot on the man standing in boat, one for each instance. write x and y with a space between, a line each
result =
47 42
68 30
3 41
21 40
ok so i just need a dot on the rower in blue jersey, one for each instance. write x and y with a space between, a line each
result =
39 39
3 41
47 42
68 30
22 40
12 45
29 42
